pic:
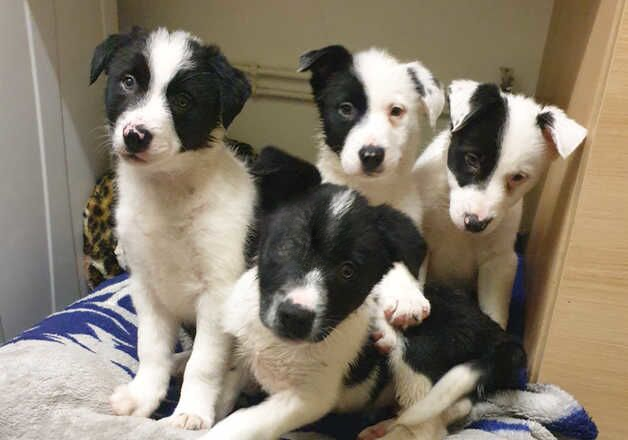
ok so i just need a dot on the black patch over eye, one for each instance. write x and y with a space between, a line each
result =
347 270
128 83
347 110
181 102
472 161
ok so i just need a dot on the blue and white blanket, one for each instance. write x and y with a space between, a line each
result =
57 376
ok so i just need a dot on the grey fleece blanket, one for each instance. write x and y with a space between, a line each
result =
56 378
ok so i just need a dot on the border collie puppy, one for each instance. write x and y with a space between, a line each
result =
369 104
185 206
472 180
301 316
457 355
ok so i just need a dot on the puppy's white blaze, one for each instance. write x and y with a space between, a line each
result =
308 295
305 296
341 203
167 53
454 385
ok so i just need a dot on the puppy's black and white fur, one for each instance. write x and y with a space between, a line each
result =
185 206
303 314
370 105
472 179
455 354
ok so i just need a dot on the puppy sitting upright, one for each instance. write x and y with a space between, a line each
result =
185 205
369 105
472 180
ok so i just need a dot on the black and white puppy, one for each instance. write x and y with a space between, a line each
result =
301 316
472 179
185 206
370 105
454 357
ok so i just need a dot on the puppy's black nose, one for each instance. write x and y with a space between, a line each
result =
371 157
293 321
136 139
473 224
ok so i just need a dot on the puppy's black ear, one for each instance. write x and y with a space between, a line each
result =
560 132
323 62
402 239
235 88
104 52
282 177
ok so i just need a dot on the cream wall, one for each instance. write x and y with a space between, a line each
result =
454 38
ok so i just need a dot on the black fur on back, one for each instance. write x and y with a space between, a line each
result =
458 332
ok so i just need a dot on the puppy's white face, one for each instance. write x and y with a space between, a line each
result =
166 93
369 105
166 55
391 119
500 146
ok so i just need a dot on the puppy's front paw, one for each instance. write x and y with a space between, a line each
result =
126 400
384 338
376 431
405 309
188 421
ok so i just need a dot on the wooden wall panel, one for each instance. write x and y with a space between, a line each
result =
586 339
573 76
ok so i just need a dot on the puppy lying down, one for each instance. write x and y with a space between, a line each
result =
301 318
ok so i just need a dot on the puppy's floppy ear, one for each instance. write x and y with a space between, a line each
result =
104 52
429 89
282 177
468 99
323 62
402 239
235 88
559 131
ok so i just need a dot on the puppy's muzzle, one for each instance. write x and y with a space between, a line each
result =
472 223
293 321
136 138
371 157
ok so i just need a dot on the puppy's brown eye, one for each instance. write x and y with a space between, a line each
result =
181 102
128 83
347 270
396 111
515 180
472 161
346 110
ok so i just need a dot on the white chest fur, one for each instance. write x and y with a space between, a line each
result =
397 190
279 365
455 255
183 227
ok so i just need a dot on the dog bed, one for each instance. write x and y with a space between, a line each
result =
56 379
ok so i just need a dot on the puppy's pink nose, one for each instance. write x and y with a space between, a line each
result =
136 138
472 223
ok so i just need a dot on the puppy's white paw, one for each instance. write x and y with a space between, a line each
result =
127 401
376 431
405 308
385 338
188 421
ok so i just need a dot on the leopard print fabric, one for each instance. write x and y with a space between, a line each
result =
99 240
